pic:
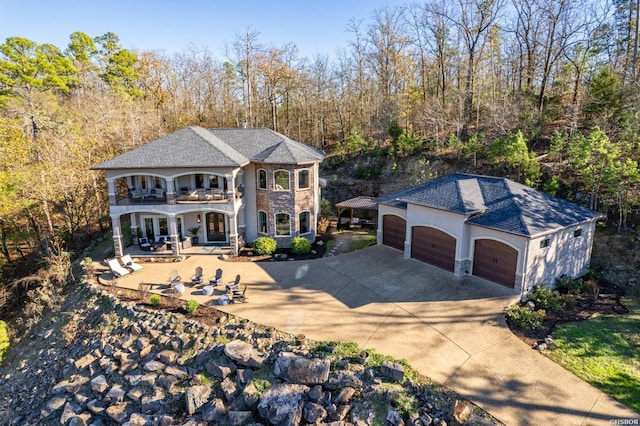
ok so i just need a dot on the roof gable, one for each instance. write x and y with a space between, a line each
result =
493 202
194 146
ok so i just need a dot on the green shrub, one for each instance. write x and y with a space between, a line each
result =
4 340
155 299
265 245
566 284
300 245
524 317
404 403
191 306
545 298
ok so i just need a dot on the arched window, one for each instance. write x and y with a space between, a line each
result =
304 220
262 179
283 224
281 180
262 222
303 179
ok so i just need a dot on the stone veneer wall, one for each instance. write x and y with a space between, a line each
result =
291 202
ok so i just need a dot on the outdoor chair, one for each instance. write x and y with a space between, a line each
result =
197 277
216 279
233 285
174 278
129 263
116 268
144 244
237 296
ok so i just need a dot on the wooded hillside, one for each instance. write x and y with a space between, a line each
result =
545 92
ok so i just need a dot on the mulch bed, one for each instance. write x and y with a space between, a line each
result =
606 301
318 250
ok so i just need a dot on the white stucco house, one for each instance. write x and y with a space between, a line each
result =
490 227
233 184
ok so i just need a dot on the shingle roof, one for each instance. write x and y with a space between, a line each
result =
360 202
267 146
494 202
194 146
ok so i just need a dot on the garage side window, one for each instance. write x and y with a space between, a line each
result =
283 224
545 243
262 179
577 233
262 222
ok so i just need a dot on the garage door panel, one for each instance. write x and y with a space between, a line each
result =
495 261
434 247
393 231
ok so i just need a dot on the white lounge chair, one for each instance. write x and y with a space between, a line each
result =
116 268
129 263
216 279
174 278
197 277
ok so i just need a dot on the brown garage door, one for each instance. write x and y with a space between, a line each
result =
393 231
433 246
495 261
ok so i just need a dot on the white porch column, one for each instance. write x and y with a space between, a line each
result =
134 226
173 235
171 191
111 185
230 189
118 246
233 234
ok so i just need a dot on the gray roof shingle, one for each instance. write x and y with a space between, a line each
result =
194 146
494 202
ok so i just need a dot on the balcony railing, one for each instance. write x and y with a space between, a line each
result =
204 196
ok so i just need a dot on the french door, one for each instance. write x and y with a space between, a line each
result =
216 227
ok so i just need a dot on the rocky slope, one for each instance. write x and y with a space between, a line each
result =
101 361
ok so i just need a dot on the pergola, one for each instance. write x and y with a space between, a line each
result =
361 202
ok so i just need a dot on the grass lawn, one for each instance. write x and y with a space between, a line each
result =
604 351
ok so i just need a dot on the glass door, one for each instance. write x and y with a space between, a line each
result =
149 228
216 229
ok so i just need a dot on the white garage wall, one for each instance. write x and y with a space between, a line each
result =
451 223
565 255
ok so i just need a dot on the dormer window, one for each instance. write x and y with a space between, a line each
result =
281 180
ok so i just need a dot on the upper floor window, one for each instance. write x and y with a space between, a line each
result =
262 222
157 182
213 181
303 179
281 180
545 243
305 222
283 224
262 179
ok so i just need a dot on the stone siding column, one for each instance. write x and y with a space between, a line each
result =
118 246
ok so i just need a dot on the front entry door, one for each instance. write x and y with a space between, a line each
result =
216 230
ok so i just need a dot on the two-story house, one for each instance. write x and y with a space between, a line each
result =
234 185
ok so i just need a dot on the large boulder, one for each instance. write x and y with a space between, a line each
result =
282 404
297 369
243 353
196 397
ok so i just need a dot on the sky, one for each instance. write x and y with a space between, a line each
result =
316 27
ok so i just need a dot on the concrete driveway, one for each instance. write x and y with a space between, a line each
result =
450 329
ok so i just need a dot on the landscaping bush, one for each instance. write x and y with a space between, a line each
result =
191 306
568 285
4 340
524 317
155 299
300 245
265 245
323 225
545 298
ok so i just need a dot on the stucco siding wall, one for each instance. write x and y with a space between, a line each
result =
250 216
565 255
